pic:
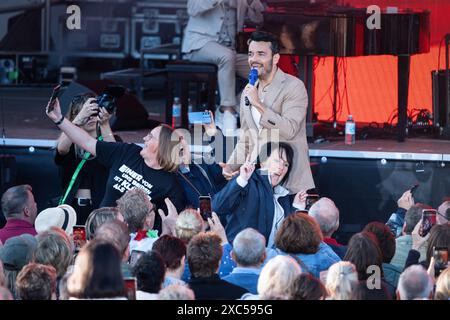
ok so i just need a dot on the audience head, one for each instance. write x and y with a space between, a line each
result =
62 216
176 292
149 271
325 212
414 283
36 282
413 216
53 249
439 237
172 250
15 254
298 233
137 210
249 248
307 287
204 253
342 279
115 232
188 224
386 239
97 272
442 291
98 217
277 276
18 203
363 251
443 215
277 159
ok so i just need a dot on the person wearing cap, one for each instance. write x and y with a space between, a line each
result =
19 209
62 216
16 253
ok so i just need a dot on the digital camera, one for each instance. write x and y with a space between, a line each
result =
107 99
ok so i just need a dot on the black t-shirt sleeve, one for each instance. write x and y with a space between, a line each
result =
110 152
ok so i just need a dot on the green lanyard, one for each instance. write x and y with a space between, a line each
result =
75 174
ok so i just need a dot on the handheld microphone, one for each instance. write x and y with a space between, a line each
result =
252 78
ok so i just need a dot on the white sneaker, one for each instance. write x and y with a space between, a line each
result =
229 123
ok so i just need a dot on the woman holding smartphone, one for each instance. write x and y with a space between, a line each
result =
88 189
150 168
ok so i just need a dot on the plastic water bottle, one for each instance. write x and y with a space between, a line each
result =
350 130
176 113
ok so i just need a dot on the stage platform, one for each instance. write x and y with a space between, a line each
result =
365 179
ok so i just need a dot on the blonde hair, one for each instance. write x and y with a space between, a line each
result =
277 276
188 224
443 286
169 145
342 279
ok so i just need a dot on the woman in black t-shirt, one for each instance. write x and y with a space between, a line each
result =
89 187
150 168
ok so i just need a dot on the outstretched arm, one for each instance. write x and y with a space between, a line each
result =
74 133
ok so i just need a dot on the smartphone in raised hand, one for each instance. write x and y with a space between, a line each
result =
427 222
205 207
55 93
79 236
203 117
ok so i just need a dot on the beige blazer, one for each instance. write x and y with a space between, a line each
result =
284 120
206 18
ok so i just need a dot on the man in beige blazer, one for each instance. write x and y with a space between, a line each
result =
277 112
210 36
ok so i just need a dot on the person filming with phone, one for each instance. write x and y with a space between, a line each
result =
88 189
257 199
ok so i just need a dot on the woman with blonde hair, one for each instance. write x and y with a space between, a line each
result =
342 279
188 224
276 279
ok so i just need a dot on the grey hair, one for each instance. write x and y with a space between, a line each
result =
415 283
325 212
176 292
249 247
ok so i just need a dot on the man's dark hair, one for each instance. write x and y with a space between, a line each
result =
149 271
204 253
261 36
171 249
15 199
363 251
266 151
386 239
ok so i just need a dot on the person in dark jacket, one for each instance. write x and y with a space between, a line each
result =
204 253
257 199
199 175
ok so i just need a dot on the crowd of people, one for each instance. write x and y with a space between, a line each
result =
42 259
149 236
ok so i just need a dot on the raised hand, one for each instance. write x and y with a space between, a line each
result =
89 109
53 110
227 172
247 169
406 201
216 226
168 222
300 200
210 129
